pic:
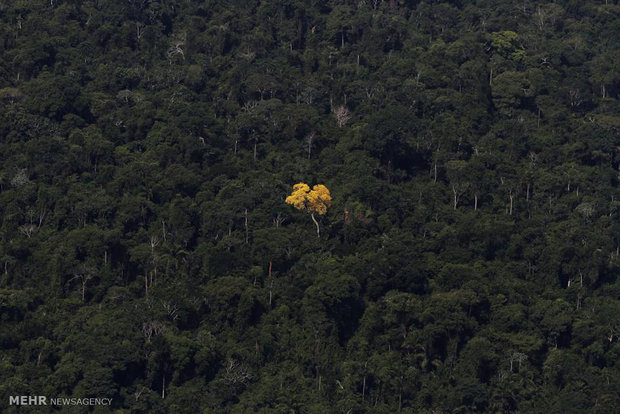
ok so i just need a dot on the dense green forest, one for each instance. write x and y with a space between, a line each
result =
468 261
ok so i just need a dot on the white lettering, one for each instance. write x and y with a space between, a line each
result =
27 400
78 401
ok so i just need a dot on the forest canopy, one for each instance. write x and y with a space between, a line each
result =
469 245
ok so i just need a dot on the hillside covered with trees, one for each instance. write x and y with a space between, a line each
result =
467 260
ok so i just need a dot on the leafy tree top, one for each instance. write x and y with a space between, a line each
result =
316 200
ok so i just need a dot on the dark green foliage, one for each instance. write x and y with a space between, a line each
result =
469 260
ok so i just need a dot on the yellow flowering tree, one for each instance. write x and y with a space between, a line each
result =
314 201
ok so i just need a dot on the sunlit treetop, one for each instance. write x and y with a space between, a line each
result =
316 200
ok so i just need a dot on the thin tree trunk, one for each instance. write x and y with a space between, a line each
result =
316 223
270 282
246 226
456 198
364 388
527 193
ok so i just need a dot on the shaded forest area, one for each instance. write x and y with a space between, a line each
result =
468 262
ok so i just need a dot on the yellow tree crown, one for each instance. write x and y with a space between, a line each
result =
315 201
